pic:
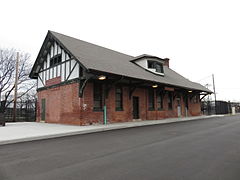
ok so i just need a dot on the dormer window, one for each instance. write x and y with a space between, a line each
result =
150 63
55 60
155 65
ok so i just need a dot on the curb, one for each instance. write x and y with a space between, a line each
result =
108 127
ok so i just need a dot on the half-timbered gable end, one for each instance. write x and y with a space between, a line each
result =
82 83
54 64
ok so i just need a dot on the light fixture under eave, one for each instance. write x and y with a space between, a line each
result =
155 86
189 91
102 77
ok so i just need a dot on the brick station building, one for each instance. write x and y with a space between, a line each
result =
81 83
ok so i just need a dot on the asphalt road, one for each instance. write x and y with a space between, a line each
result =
196 150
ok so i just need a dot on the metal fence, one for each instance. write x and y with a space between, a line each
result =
219 107
25 111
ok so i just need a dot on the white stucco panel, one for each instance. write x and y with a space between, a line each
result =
39 83
75 71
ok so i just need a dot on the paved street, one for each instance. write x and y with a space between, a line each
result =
28 131
206 149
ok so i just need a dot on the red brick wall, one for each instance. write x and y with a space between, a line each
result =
53 81
88 115
63 105
163 113
194 108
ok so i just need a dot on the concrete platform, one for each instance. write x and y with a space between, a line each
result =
29 131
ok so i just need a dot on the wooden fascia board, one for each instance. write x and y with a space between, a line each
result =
31 75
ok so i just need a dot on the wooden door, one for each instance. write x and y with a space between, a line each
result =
135 107
43 110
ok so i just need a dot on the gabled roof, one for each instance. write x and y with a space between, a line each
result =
94 57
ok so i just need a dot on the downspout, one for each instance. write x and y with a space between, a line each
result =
105 114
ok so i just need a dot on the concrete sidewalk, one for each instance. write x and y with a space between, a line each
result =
29 131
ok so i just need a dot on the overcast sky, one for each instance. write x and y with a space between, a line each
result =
201 38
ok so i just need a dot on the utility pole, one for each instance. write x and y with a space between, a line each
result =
15 90
215 97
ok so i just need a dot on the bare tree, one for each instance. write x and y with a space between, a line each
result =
7 75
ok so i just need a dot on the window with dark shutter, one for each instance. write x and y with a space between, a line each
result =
150 99
159 67
160 100
97 96
170 100
55 60
119 99
155 65
150 64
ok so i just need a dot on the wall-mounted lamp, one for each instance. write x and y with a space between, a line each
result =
102 77
155 86
189 91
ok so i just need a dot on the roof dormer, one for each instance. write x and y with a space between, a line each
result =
151 63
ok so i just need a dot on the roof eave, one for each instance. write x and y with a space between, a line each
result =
145 56
32 75
154 82
49 36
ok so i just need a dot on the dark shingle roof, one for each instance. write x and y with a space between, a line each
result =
102 59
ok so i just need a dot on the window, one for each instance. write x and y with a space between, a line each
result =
151 99
170 100
55 60
196 99
97 96
159 100
151 64
155 65
159 67
119 99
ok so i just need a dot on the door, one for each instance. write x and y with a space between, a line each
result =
179 111
135 107
43 110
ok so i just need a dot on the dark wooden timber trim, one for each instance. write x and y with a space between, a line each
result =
82 85
204 95
83 81
57 64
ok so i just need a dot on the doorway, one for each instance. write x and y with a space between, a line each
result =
135 107
179 110
43 110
